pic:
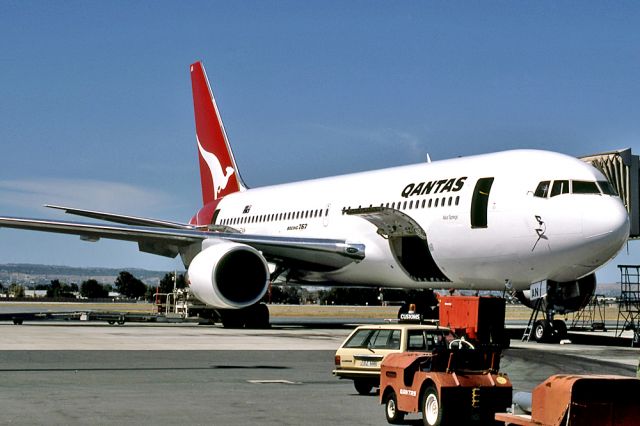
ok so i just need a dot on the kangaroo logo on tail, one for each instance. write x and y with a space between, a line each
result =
220 178
219 173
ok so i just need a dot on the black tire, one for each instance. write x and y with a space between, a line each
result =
257 316
541 331
17 321
394 416
111 322
560 329
232 318
431 407
363 387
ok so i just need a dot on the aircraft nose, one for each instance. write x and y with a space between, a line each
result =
607 225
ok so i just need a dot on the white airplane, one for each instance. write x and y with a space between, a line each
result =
498 221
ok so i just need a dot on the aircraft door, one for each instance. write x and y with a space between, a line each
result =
480 202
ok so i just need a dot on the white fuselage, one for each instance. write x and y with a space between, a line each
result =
523 237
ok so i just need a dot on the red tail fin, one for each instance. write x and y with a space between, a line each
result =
218 170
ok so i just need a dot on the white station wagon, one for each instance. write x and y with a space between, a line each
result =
361 354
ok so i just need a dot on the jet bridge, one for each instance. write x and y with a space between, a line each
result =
621 169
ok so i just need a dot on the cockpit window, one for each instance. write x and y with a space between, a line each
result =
560 187
543 189
548 188
607 188
583 187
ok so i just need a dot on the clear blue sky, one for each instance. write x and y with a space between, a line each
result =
96 112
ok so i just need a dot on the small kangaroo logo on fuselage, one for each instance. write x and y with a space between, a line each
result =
219 177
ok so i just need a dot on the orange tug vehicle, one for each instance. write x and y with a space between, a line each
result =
459 384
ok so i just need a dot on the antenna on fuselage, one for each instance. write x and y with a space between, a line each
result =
428 158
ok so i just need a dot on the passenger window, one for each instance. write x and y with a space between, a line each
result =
416 341
560 187
542 190
386 339
583 187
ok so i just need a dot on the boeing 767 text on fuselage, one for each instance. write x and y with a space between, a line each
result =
511 218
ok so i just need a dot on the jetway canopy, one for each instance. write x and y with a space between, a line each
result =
621 169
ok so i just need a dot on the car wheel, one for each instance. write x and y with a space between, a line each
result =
362 386
431 407
394 416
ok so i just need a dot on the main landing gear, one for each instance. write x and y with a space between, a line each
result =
254 316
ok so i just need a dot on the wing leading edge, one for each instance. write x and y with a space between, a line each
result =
169 242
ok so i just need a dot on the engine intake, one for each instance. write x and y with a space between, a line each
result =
229 275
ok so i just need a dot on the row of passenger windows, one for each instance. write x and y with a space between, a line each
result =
308 214
275 217
549 188
418 204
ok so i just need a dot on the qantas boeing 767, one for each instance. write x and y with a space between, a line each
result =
507 219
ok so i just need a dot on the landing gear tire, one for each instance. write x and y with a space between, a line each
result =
257 316
542 331
431 408
394 416
232 318
560 329
363 387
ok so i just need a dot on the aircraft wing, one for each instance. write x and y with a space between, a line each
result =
117 218
167 242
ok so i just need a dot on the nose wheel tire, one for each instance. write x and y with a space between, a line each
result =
542 331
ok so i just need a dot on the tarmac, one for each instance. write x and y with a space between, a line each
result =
94 373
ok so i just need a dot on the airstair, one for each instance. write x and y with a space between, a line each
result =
629 302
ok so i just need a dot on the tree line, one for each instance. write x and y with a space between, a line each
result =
125 284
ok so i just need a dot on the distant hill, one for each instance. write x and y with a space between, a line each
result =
30 274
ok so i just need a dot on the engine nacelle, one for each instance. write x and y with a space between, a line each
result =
563 297
229 275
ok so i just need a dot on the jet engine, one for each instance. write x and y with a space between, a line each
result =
229 275
563 297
